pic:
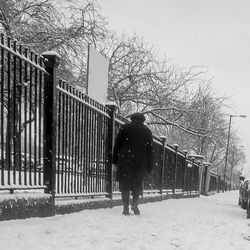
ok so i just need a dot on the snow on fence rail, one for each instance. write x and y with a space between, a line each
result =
61 140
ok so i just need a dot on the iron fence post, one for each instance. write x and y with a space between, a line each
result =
175 166
199 177
217 183
110 144
163 138
207 167
184 171
51 61
192 176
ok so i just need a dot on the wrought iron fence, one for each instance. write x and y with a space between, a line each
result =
21 116
55 137
81 158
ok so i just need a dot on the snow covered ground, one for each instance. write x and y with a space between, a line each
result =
214 223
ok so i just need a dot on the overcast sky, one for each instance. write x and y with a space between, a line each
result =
214 33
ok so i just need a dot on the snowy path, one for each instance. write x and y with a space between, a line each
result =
214 223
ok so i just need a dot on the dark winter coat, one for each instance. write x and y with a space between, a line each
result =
133 154
245 194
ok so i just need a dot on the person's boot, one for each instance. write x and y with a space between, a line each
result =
125 209
134 207
136 210
125 200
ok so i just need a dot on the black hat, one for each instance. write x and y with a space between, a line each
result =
242 178
137 117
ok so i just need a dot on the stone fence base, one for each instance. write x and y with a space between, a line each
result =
21 206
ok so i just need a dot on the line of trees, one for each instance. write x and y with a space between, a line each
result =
179 102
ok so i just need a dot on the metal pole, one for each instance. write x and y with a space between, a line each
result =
231 175
228 138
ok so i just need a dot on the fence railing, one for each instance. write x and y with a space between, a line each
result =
81 158
54 137
21 116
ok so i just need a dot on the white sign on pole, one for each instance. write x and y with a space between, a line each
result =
97 75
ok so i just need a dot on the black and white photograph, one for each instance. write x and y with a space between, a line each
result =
124 125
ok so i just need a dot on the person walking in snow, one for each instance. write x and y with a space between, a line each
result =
245 194
242 178
133 154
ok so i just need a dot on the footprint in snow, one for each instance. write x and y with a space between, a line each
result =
175 242
246 237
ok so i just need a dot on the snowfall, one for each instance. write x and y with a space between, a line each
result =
209 222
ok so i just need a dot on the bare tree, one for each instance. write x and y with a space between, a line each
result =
43 25
179 102
140 80
236 156
204 115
